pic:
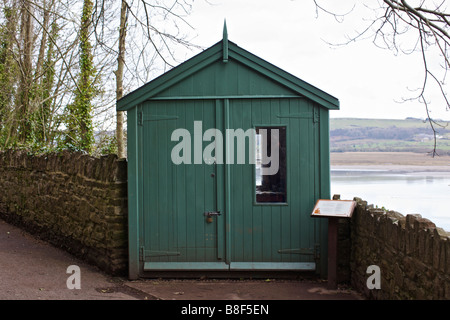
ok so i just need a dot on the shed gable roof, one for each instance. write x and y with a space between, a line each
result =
214 56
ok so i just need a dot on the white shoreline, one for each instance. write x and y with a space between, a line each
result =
396 169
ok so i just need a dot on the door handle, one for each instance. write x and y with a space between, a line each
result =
212 213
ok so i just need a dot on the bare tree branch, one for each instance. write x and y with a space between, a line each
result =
430 23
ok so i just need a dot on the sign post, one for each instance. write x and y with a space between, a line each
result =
333 210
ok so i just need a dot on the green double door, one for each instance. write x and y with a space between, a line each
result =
208 206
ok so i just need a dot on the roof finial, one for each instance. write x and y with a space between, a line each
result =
225 42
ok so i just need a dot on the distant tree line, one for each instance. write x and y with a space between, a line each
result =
390 139
394 133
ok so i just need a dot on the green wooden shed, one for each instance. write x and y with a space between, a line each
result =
227 155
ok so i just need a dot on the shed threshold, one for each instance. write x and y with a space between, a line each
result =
233 266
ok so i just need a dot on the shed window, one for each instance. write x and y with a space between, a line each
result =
270 164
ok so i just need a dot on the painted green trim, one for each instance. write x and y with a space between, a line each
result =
225 43
140 185
170 78
283 77
214 54
324 158
233 266
294 266
255 203
133 201
185 266
280 96
220 197
324 150
227 182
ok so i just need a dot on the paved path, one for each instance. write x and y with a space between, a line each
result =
31 269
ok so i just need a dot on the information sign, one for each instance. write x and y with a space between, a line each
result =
334 208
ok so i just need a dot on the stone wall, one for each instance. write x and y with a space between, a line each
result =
74 201
412 253
79 203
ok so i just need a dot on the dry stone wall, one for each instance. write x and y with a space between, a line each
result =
413 255
79 203
72 200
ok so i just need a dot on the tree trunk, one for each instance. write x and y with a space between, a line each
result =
9 73
26 31
79 118
119 78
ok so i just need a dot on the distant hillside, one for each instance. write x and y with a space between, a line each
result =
386 135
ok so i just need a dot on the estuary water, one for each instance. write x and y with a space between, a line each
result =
407 192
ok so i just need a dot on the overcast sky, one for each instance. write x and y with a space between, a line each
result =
287 33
